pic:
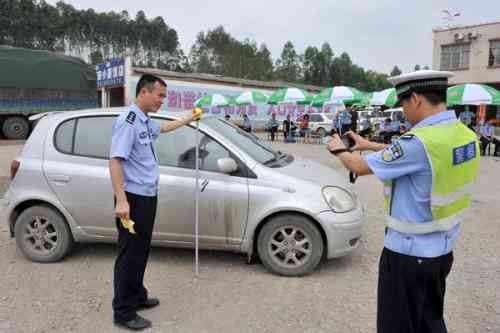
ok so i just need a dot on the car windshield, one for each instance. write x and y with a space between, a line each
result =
249 143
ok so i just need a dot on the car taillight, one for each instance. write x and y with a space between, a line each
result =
14 166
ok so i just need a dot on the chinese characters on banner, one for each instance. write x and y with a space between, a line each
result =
185 99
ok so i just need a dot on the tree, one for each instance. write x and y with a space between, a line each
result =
288 65
426 67
417 67
396 71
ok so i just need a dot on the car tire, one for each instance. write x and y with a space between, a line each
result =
290 245
42 234
16 128
321 131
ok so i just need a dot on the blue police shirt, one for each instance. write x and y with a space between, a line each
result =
345 117
396 126
486 130
406 163
466 117
132 140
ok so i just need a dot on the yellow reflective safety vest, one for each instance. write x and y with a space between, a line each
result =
453 153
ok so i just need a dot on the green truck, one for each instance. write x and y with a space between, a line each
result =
33 82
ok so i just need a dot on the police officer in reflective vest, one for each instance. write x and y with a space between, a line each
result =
428 176
133 167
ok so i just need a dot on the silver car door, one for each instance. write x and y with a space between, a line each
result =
223 198
76 167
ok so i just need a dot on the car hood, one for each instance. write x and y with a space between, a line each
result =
314 172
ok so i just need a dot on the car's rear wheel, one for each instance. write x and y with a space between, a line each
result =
42 234
16 128
290 245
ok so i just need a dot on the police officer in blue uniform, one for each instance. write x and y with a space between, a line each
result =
133 168
413 267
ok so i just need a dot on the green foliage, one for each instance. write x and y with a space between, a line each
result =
98 37
95 36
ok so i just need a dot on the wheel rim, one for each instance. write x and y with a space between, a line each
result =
290 247
40 235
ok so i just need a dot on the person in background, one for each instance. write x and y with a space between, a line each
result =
345 119
335 124
385 130
273 126
304 128
485 131
354 119
288 128
366 127
466 118
247 124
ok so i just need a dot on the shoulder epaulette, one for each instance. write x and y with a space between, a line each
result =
130 118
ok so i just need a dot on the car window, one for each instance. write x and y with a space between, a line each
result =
64 137
177 149
86 136
93 136
316 118
247 142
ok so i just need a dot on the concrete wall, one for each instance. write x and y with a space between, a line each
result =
478 71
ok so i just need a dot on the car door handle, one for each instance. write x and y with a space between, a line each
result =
60 178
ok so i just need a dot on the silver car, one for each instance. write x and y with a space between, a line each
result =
289 211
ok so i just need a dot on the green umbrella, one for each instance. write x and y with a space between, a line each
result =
214 100
251 97
338 95
385 97
290 95
472 94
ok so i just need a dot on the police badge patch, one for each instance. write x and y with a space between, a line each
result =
393 152
130 118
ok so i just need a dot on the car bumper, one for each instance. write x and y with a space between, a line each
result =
343 231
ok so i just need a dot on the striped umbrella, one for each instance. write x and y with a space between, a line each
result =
290 95
251 97
214 100
338 95
385 97
473 94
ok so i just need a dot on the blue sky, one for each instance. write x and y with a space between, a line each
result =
377 34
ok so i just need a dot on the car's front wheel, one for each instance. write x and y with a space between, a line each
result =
42 234
290 245
321 132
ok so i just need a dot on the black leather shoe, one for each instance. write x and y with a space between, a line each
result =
149 303
136 324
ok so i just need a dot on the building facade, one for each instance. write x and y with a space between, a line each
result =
471 52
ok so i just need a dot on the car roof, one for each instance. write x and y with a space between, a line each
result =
59 115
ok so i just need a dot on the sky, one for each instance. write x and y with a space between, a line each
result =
377 34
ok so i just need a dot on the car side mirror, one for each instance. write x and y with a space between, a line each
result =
227 165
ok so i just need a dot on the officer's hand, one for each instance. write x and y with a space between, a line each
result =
122 210
359 142
196 114
335 143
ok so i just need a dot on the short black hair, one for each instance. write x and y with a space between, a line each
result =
433 97
148 81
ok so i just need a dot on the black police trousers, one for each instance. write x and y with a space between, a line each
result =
133 252
411 293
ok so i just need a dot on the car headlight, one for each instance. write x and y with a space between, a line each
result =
339 200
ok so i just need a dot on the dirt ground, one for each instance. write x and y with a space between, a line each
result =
231 296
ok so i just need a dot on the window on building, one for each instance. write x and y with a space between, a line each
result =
455 56
494 59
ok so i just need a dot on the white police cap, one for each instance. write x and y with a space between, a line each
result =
420 81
